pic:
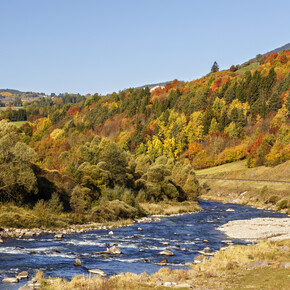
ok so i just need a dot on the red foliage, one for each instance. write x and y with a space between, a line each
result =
283 59
33 118
274 130
252 149
233 68
270 57
72 111
216 84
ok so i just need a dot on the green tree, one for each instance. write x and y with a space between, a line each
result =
215 67
17 177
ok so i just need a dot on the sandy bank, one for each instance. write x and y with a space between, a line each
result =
274 229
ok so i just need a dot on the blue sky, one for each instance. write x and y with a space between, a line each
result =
90 46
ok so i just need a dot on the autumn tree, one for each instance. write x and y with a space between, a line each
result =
16 169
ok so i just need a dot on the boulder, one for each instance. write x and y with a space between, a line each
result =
207 250
58 236
140 229
111 233
164 261
10 280
1 241
114 250
98 272
285 265
169 284
165 243
34 284
230 210
166 253
205 241
22 275
141 250
77 262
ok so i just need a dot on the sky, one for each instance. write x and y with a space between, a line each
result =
86 46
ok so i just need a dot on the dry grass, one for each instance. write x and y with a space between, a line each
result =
225 270
238 170
169 207
248 192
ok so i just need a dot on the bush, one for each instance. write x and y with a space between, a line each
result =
273 199
282 204
113 210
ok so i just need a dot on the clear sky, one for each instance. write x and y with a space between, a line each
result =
86 46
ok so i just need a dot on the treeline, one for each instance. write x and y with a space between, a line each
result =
222 117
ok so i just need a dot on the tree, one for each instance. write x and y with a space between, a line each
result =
16 169
214 67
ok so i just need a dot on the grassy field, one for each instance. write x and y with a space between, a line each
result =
238 170
262 194
19 123
251 66
13 108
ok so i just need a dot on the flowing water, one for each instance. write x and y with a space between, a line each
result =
56 257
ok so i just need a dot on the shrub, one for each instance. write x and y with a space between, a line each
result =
113 210
282 204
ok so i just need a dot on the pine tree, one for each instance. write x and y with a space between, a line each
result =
274 102
214 67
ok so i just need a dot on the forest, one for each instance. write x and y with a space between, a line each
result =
100 157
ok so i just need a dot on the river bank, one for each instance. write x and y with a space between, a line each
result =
261 266
153 213
186 236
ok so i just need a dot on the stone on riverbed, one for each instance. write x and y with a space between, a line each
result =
1 241
98 272
111 233
114 250
140 229
58 236
230 210
10 280
166 253
22 275
77 262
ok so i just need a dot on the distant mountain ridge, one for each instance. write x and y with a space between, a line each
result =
279 49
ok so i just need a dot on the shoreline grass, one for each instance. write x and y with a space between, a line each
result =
231 268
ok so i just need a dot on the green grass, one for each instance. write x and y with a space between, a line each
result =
251 66
19 123
238 170
260 193
13 108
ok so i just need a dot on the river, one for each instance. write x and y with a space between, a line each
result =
56 257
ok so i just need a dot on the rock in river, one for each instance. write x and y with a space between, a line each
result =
58 236
114 250
77 262
10 280
98 272
166 253
22 275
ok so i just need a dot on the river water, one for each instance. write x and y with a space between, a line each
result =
15 254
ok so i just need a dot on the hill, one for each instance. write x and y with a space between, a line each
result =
127 150
279 49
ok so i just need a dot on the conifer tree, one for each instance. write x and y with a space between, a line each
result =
274 102
214 67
